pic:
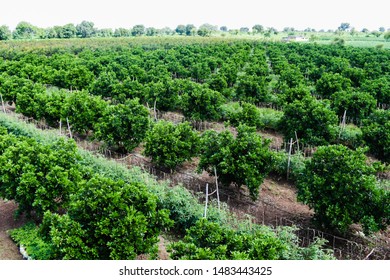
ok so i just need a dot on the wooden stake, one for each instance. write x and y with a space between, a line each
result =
207 200
216 183
70 131
2 102
342 125
60 127
154 108
296 137
289 158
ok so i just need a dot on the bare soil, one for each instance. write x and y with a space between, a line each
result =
8 249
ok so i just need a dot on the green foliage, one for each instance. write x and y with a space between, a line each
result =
5 33
244 160
38 177
212 241
82 110
123 126
280 164
85 29
351 136
358 105
312 120
28 237
202 103
292 94
170 145
376 134
330 83
378 88
251 88
341 188
107 220
30 101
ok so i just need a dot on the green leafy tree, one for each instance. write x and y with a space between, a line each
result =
123 126
292 94
138 30
201 103
312 120
330 83
170 145
68 31
10 86
345 26
82 110
151 31
38 177
107 219
251 88
30 101
244 160
258 29
5 33
387 36
104 85
25 30
122 32
378 88
190 30
85 29
358 105
376 134
180 29
206 29
341 188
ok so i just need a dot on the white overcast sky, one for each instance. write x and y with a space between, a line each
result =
324 14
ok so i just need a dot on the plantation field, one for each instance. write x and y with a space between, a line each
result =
289 138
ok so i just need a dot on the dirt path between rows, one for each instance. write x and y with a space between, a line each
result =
8 249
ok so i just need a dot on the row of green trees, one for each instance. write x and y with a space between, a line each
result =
94 216
87 29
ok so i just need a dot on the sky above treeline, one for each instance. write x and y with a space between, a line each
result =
300 14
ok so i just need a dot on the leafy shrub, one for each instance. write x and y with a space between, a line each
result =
82 110
107 220
280 164
341 188
351 136
358 105
28 237
312 121
211 241
244 160
376 134
123 126
170 145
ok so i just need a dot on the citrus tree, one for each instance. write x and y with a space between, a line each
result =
123 126
341 188
170 145
242 160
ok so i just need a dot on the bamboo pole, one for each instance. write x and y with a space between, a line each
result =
2 102
207 200
289 158
216 183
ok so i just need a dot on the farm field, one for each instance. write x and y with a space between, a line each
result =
106 140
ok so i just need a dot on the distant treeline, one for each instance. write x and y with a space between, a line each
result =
87 29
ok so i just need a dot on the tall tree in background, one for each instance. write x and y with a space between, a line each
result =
25 30
138 30
5 33
85 29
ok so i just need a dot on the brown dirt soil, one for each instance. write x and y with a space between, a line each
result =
8 249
